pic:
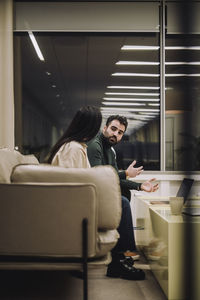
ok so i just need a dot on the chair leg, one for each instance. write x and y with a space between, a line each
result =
85 258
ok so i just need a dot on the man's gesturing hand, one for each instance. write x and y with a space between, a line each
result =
133 172
147 186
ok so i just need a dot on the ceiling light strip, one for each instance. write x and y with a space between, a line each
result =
193 63
182 47
155 75
137 63
120 109
132 47
136 87
35 45
150 63
153 104
133 94
130 99
183 75
136 47
123 104
135 74
133 87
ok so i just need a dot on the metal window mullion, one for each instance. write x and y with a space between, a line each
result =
162 87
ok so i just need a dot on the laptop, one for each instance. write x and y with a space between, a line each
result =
185 188
183 191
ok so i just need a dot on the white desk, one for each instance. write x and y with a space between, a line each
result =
141 218
163 241
169 268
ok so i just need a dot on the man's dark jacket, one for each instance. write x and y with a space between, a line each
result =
101 153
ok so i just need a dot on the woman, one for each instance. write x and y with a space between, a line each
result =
71 150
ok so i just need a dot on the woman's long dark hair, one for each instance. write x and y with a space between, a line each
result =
84 126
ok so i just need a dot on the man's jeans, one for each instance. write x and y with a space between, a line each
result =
125 229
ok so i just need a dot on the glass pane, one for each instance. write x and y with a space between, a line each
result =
86 69
136 82
182 102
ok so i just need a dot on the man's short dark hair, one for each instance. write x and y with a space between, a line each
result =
122 120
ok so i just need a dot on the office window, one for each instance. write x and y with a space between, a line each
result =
136 82
182 66
182 102
117 72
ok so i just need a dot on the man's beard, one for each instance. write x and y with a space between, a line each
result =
111 140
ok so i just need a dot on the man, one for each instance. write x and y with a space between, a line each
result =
100 152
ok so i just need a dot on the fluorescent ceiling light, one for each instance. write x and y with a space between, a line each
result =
182 75
36 46
153 104
134 47
155 75
182 48
193 75
133 87
130 99
138 63
136 87
135 74
135 115
130 47
133 94
122 104
171 63
151 63
120 109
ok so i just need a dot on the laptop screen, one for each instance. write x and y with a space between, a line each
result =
185 188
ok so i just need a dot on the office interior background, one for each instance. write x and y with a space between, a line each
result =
140 59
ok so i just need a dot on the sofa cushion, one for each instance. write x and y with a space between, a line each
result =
104 178
106 240
11 158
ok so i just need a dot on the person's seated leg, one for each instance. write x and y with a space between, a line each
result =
126 193
120 265
125 229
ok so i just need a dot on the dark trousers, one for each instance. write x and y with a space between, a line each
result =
125 229
126 193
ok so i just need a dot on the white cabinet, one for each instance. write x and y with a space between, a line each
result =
171 245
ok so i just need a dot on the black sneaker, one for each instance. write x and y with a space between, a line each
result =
124 269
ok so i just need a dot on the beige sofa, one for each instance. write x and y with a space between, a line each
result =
53 217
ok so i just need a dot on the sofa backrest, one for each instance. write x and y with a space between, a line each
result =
105 179
45 220
9 159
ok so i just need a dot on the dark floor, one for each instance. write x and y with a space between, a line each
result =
60 285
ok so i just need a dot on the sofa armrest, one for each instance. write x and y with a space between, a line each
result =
46 219
104 178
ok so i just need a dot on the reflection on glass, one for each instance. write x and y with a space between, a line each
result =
182 103
77 70
135 82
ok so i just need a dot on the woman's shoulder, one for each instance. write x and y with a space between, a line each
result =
72 145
